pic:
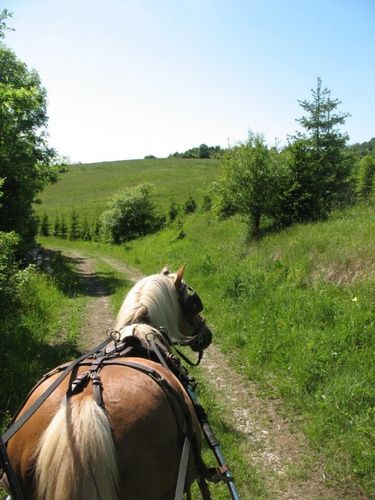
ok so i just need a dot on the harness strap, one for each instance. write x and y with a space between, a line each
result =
189 438
32 409
181 479
13 482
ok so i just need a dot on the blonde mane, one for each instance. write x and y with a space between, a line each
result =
157 295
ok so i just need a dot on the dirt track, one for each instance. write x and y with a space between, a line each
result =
269 442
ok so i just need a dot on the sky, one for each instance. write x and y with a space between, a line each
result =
130 78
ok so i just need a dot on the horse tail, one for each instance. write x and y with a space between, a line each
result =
76 457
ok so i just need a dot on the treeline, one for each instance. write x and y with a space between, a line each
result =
202 151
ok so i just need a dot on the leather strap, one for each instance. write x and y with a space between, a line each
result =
181 478
32 409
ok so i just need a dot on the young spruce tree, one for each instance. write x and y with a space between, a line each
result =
319 171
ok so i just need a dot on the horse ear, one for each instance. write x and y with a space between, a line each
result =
165 270
141 315
179 276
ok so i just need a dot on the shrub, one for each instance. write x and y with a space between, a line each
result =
366 176
8 247
74 232
190 205
44 226
173 211
131 214
206 202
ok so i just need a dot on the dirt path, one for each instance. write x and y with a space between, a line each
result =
289 468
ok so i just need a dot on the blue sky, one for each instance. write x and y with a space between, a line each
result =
129 78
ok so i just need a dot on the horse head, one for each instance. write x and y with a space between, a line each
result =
165 300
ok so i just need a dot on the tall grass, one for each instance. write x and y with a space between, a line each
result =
295 312
40 331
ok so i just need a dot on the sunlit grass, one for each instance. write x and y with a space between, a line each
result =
87 188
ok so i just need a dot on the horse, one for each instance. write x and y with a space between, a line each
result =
127 442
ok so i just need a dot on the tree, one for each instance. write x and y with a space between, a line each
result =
25 158
63 229
131 214
44 226
203 151
190 205
366 177
4 15
74 232
56 232
320 174
86 233
247 186
173 210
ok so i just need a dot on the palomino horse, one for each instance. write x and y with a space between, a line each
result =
127 442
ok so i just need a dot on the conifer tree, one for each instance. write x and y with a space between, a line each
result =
318 168
44 226
63 229
56 227
74 232
86 230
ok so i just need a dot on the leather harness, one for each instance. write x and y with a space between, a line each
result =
112 352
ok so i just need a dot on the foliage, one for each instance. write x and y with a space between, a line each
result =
319 172
44 226
40 317
25 158
86 233
4 15
173 210
74 232
366 177
362 149
206 202
86 188
248 184
190 205
202 151
56 228
131 214
8 267
295 312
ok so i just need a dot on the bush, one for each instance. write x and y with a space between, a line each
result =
366 177
173 211
190 205
8 247
131 214
206 202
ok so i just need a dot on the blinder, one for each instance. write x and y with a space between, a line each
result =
192 304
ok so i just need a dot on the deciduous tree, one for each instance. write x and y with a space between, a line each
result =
25 158
248 184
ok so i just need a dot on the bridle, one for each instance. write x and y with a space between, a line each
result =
191 307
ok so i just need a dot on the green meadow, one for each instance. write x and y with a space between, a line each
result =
88 188
294 311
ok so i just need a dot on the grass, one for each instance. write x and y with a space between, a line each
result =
295 312
42 333
87 188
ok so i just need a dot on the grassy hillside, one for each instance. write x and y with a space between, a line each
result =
294 312
88 187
